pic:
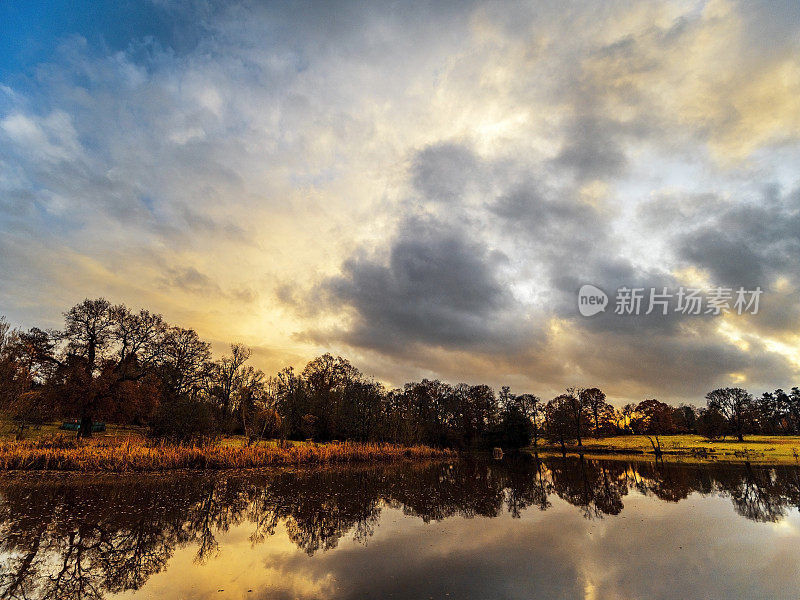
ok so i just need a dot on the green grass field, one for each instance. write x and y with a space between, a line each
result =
781 449
113 433
8 431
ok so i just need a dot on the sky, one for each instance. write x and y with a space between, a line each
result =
422 187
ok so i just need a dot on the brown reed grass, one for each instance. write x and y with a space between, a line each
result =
62 454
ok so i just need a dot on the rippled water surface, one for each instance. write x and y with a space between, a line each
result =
519 528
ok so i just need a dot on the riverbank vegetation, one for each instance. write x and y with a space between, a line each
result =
134 370
767 449
69 454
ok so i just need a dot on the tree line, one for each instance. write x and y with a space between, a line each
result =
111 363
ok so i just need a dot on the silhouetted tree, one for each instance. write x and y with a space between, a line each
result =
183 357
531 406
594 399
736 404
101 348
578 410
711 423
560 421
685 418
517 429
656 420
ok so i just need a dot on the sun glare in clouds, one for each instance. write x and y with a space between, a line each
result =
421 193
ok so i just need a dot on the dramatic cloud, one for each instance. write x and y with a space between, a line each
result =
438 288
421 187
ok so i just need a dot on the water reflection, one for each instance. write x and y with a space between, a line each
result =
64 537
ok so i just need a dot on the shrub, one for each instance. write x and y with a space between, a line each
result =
185 421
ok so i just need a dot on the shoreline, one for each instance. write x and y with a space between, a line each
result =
686 448
133 455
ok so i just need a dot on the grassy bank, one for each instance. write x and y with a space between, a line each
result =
776 449
137 455
8 431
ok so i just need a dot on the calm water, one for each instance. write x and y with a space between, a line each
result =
515 529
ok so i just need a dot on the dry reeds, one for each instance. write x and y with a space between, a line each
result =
135 455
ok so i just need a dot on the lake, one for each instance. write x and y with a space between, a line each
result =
516 528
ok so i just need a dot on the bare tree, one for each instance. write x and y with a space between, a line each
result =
595 400
182 360
577 409
227 375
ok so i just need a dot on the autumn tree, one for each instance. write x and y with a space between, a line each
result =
360 410
430 401
628 412
685 418
288 392
101 349
326 378
656 420
735 404
778 411
560 421
17 400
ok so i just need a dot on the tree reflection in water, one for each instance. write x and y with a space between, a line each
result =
64 538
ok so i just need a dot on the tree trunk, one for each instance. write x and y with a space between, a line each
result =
85 430
655 444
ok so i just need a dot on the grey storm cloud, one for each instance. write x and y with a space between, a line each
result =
592 148
741 242
548 217
731 261
574 243
684 362
746 245
437 287
189 279
442 172
437 283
